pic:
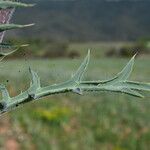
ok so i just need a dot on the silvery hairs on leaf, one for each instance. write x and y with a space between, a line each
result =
75 84
5 4
4 27
7 9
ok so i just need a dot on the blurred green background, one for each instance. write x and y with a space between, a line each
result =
65 30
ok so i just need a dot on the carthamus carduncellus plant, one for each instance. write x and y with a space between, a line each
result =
75 84
7 9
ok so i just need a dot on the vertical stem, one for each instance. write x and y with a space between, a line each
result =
5 16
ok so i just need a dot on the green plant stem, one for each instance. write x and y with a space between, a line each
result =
76 85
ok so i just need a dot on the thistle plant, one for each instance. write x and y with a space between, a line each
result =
75 84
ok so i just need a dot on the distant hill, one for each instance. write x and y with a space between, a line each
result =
85 20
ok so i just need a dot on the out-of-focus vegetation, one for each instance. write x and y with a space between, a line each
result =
141 47
41 49
106 121
55 49
86 20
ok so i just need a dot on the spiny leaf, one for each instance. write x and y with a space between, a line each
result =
4 27
8 46
122 89
137 85
77 77
5 16
10 4
111 88
119 83
131 92
122 76
5 93
8 49
35 91
35 82
125 73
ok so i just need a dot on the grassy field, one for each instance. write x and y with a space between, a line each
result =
95 121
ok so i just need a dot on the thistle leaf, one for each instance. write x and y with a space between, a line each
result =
8 49
131 92
35 82
125 73
124 90
137 85
11 4
77 77
117 84
111 88
5 16
5 93
4 27
122 76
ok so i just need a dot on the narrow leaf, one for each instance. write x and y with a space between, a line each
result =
35 81
4 27
77 77
5 93
8 49
125 73
11 4
132 92
111 88
5 16
122 76
137 86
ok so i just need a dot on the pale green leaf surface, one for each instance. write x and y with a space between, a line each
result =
117 84
12 4
4 27
77 77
